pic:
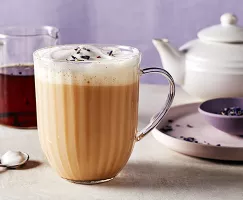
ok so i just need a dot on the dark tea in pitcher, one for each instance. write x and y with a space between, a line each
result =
17 86
17 99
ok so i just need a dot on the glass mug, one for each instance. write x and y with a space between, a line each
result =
17 88
87 110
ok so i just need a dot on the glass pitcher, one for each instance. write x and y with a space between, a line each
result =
17 86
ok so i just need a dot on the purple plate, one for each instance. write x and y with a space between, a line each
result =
211 143
229 124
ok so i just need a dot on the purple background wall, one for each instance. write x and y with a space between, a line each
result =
128 22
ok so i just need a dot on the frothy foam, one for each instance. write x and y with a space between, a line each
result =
93 65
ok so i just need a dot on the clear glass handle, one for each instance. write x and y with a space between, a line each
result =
155 121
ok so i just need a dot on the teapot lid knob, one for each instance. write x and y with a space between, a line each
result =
228 19
228 31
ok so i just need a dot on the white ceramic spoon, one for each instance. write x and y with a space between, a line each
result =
14 166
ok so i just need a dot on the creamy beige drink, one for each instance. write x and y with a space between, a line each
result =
87 109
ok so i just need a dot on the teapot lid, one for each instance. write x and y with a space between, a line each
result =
227 31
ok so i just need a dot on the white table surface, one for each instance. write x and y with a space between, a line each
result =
153 172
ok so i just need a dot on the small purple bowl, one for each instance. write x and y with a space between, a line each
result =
229 124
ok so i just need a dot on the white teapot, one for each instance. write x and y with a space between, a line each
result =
210 66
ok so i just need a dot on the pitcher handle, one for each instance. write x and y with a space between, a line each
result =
155 121
1 51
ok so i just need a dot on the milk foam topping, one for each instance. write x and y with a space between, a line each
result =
87 64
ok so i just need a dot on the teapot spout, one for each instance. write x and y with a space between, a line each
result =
172 59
